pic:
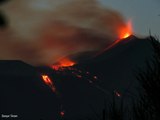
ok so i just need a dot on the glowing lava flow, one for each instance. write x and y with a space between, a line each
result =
49 82
65 62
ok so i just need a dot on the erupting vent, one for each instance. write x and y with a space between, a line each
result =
126 31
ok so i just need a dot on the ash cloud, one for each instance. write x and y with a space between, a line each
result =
42 32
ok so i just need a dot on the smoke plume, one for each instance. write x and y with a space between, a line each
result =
40 32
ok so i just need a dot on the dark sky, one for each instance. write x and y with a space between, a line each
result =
143 13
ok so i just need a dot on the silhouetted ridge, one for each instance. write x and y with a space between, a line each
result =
16 67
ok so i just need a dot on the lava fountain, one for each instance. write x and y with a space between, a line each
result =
123 32
126 31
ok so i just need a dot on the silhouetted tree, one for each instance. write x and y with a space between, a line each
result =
149 106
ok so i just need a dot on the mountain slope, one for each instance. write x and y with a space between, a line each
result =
83 89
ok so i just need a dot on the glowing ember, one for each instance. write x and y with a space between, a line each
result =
95 77
79 76
117 94
125 31
49 82
87 72
62 113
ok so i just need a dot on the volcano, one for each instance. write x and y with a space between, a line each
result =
82 91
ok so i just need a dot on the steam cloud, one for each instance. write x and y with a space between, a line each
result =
40 32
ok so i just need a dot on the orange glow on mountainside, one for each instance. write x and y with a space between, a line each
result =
65 62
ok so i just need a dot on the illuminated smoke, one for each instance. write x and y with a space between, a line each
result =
43 32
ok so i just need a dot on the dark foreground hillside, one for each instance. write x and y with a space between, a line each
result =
111 86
